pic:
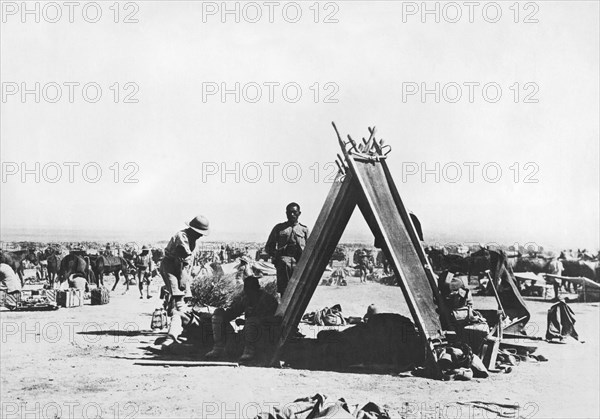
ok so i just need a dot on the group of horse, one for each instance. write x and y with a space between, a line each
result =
52 265
567 264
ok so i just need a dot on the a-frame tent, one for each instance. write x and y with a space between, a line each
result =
365 181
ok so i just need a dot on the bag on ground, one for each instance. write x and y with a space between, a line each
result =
100 296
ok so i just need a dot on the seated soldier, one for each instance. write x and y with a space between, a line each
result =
257 305
9 280
10 283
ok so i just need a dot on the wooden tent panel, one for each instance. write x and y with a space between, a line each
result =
443 311
413 279
368 184
323 239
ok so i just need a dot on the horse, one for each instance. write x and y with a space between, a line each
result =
537 265
440 261
74 264
543 265
15 260
581 268
111 264
53 267
42 257
480 261
52 259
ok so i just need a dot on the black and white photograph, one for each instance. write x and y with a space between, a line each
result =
299 209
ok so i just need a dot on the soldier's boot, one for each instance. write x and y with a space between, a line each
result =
218 349
249 352
175 329
252 332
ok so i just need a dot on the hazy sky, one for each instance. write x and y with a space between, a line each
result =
179 134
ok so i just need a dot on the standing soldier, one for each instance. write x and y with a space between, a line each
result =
285 245
363 264
144 267
176 264
223 255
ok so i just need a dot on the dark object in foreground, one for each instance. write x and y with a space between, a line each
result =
387 339
561 322
317 406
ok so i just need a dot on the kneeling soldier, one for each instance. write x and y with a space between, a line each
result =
257 305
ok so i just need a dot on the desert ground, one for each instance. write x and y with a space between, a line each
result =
81 362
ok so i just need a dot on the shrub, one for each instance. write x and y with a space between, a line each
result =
220 290
214 291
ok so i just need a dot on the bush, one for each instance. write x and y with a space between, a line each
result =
214 291
220 290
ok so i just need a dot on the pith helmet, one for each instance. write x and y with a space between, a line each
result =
199 224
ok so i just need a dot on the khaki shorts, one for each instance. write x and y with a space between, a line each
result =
175 279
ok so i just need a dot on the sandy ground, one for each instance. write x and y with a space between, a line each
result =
80 362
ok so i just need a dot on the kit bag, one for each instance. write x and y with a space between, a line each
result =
159 319
100 296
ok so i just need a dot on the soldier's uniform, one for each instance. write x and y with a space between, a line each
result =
258 309
9 282
144 266
362 263
9 279
173 267
175 270
263 306
285 244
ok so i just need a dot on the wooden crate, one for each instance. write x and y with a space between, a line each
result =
69 298
11 300
37 298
